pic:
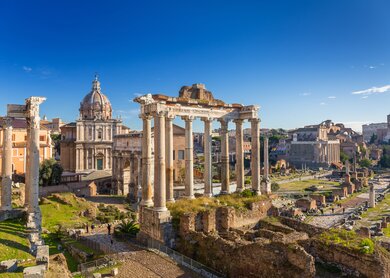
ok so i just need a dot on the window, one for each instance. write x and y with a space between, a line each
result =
99 134
174 155
181 155
41 138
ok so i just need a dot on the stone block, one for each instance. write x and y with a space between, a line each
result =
97 275
42 256
114 272
9 265
37 271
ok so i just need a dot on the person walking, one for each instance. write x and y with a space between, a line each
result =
109 228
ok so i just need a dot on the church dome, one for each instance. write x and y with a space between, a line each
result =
95 105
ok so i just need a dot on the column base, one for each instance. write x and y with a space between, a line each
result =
188 197
171 200
208 195
239 190
160 209
146 203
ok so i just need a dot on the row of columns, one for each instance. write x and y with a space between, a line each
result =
32 159
163 159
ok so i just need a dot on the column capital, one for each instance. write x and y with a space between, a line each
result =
238 121
160 114
32 104
255 120
145 117
170 117
188 118
6 122
207 119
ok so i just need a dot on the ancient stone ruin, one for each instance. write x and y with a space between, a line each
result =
193 102
30 112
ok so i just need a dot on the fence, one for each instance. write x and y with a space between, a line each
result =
103 247
197 267
88 268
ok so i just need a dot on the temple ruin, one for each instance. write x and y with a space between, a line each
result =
194 102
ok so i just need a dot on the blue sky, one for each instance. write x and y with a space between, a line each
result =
301 61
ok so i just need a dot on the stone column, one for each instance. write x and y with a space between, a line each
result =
371 196
255 155
208 182
6 184
27 185
239 156
189 158
266 183
159 162
139 177
225 179
34 126
169 157
147 190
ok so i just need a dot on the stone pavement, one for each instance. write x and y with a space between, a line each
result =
138 262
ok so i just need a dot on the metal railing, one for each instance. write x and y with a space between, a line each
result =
87 269
195 266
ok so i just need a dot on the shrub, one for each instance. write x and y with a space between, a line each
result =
247 193
128 227
274 186
366 246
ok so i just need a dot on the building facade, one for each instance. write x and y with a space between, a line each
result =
19 145
86 145
311 146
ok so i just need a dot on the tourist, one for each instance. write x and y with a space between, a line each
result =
343 210
109 228
332 210
92 228
86 225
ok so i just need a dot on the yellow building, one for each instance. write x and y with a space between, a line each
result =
19 138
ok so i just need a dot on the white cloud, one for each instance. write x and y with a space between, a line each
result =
364 97
305 94
372 67
322 103
373 90
331 97
27 69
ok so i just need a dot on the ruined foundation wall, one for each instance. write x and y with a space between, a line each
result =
371 266
256 259
224 218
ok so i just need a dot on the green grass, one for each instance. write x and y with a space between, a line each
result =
235 200
302 185
348 239
63 211
381 209
13 240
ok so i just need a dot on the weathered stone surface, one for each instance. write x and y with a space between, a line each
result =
97 275
114 272
42 255
58 267
9 265
352 262
34 271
